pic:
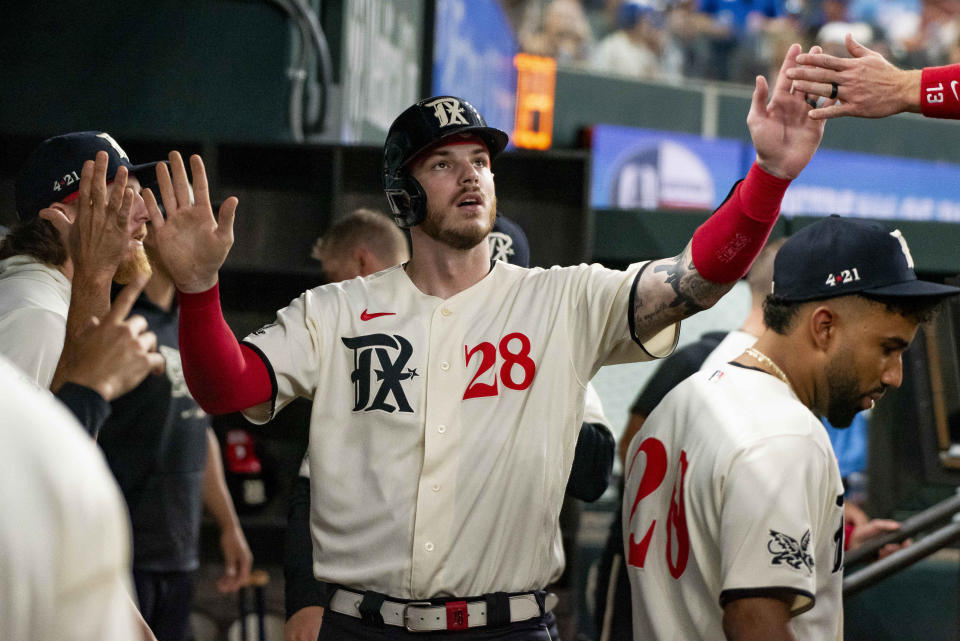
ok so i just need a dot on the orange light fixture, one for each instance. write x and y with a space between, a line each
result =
536 89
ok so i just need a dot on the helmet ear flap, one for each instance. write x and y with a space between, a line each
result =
408 201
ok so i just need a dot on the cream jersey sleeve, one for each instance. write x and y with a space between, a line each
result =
774 497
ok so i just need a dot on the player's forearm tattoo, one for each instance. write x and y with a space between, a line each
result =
685 294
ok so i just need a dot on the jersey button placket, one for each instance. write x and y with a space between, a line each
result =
435 510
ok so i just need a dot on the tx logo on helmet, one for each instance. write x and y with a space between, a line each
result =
447 111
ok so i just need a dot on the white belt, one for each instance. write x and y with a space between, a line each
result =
420 616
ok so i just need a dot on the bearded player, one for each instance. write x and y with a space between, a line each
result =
81 225
733 503
448 392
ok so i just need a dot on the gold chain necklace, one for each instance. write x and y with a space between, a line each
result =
763 358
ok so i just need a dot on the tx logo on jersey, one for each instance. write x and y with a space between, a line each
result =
447 111
786 550
501 246
387 374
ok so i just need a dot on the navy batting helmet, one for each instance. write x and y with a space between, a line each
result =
419 127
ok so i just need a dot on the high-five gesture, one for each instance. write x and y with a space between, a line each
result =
865 84
97 238
784 136
193 245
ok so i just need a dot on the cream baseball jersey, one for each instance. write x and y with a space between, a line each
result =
65 533
732 488
443 430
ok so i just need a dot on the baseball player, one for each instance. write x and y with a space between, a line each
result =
867 85
81 219
65 535
448 392
360 244
733 503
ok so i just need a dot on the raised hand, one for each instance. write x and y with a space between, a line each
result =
99 235
784 136
97 238
115 353
867 85
192 244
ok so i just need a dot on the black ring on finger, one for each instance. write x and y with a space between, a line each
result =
834 89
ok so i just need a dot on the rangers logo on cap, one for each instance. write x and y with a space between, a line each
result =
448 111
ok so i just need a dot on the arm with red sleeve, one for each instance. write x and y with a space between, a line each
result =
723 248
223 375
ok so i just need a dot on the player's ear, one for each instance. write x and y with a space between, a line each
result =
823 326
363 259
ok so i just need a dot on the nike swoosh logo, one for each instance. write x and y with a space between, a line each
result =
953 87
364 316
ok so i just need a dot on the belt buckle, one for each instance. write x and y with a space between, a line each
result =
406 616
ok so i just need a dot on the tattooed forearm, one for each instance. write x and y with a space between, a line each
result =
670 290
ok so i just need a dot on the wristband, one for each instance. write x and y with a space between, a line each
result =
847 534
940 92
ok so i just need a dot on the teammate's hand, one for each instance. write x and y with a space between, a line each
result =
193 245
784 136
237 560
867 85
304 624
861 533
100 234
114 354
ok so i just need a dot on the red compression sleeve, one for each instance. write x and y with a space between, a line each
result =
939 88
223 375
725 245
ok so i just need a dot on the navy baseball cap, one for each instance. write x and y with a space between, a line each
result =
839 256
52 172
508 242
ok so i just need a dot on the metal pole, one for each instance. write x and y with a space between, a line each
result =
875 572
916 523
242 602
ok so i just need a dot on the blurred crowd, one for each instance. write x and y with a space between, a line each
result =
728 40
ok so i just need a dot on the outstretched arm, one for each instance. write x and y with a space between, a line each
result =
723 248
867 85
193 245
